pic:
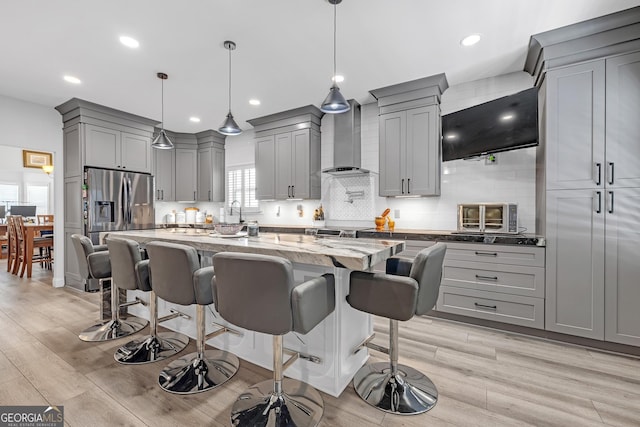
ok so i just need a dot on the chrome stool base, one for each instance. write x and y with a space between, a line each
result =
113 329
150 349
299 405
191 374
407 392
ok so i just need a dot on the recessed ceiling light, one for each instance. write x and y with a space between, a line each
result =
72 79
506 117
254 101
338 78
470 40
194 119
129 42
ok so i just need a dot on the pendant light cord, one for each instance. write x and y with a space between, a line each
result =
229 79
162 101
334 43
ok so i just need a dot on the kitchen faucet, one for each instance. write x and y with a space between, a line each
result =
239 209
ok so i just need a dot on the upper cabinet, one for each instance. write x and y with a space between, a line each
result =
164 171
210 166
410 137
103 137
288 154
186 174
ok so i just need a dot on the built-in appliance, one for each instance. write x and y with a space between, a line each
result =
488 218
114 200
503 124
346 142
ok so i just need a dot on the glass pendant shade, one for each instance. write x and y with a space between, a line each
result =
230 127
162 141
335 103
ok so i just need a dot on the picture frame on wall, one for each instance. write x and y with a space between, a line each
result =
36 159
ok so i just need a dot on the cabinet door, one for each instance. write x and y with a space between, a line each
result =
423 152
575 262
102 147
186 174
164 165
217 174
300 167
265 168
204 174
135 153
393 131
622 289
623 126
283 166
575 126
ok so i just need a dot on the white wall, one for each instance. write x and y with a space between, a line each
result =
33 126
510 179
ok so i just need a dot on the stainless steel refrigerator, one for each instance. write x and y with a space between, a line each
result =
115 200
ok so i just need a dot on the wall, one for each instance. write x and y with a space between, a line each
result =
39 128
510 179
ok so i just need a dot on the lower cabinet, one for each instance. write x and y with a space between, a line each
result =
494 282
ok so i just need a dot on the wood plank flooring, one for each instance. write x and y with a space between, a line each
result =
485 377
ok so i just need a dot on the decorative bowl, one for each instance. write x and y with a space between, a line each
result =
228 229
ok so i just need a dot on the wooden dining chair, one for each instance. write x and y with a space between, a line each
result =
13 258
38 242
46 219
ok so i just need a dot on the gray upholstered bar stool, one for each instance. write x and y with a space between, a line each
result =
257 292
130 271
391 387
176 277
97 267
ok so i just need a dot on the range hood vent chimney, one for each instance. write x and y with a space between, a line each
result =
346 143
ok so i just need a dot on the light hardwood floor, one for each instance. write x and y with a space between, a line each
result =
485 377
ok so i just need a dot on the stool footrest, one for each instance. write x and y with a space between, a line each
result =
368 344
221 330
304 356
134 302
173 315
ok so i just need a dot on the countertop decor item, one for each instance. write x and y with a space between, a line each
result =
334 103
230 127
228 229
380 221
162 141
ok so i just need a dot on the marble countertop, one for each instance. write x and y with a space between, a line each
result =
453 236
354 254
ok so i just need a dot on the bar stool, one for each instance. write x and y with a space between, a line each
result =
94 263
257 292
130 271
177 278
388 386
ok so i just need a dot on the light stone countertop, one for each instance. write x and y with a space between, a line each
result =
354 254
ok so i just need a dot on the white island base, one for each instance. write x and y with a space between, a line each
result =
333 340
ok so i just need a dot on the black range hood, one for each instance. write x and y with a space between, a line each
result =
346 143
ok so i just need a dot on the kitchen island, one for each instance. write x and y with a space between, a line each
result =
332 341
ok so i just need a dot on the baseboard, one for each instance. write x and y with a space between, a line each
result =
58 282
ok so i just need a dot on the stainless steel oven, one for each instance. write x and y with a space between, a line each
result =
488 217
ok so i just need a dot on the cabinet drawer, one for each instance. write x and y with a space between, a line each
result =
515 309
532 256
505 278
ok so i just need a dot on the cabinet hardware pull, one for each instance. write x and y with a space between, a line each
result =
610 201
209 195
162 194
402 185
158 194
293 191
408 185
487 253
599 166
486 277
194 195
599 209
610 172
490 307
288 191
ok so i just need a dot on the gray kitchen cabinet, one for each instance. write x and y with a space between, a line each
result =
115 149
186 174
622 266
164 171
211 174
288 154
410 152
265 170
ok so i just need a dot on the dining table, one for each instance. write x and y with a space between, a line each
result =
33 230
4 228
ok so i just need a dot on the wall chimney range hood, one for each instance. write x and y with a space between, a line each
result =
346 143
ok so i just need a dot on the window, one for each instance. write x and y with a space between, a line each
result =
9 194
241 186
38 195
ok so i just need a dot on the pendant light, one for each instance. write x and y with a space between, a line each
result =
162 141
230 127
334 103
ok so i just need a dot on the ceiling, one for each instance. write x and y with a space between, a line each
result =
283 56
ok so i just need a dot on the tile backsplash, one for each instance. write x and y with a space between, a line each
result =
354 201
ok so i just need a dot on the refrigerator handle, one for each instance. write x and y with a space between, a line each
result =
123 200
130 200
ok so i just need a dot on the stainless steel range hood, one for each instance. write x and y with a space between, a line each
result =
346 143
